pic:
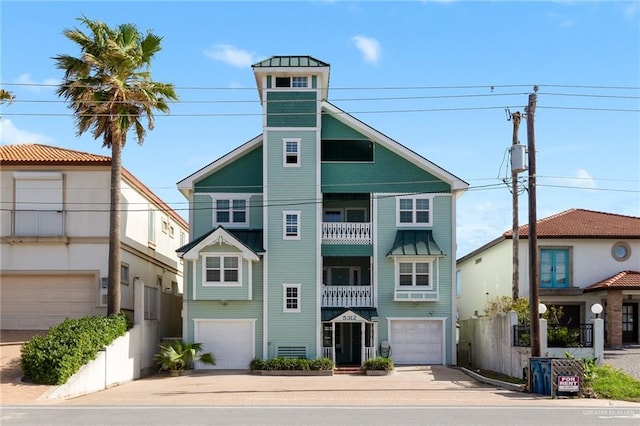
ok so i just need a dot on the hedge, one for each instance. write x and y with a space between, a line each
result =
52 359
280 363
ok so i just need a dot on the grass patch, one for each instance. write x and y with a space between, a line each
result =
608 382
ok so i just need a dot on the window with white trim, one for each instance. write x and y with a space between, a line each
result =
414 275
124 274
297 81
291 225
413 210
221 270
291 152
291 297
231 211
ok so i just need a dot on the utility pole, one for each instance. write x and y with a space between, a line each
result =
533 235
515 287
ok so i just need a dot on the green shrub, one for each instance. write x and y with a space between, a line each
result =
280 363
322 364
379 363
53 358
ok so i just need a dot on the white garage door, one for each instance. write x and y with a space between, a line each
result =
38 302
230 341
416 341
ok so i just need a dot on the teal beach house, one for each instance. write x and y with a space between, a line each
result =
320 237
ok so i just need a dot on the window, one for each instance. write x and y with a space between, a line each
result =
414 210
291 297
231 211
621 251
221 270
414 274
291 152
292 81
554 268
152 226
332 215
124 274
172 231
291 225
183 238
150 303
165 225
39 208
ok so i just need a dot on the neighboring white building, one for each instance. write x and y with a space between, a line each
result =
584 257
54 235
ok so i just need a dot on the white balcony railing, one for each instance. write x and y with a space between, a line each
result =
346 296
346 233
34 223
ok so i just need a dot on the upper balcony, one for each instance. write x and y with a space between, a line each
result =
346 219
346 233
37 225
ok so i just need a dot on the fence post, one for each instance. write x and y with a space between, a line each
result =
543 337
598 340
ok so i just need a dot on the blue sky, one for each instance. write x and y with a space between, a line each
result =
435 76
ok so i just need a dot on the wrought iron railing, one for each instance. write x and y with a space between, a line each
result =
558 336
346 233
38 223
352 296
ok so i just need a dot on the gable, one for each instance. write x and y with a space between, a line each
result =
243 174
388 173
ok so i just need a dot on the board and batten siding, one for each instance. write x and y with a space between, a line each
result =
292 261
386 230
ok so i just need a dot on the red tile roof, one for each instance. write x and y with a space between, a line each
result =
625 280
580 223
46 155
35 154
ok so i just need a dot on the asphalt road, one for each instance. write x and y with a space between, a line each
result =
314 415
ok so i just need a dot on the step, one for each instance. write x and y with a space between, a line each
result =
348 370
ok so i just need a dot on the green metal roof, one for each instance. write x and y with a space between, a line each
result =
252 238
290 61
415 243
348 250
329 314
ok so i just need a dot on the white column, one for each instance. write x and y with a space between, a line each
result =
333 342
543 337
362 342
598 340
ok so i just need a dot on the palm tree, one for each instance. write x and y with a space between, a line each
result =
109 89
6 96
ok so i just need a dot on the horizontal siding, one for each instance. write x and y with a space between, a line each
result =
292 261
292 109
202 215
389 173
242 175
442 228
221 293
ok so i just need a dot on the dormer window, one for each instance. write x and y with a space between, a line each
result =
292 82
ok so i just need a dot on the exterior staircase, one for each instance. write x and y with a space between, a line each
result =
349 370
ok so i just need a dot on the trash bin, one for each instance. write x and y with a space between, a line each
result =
540 374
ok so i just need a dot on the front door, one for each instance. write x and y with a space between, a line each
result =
629 323
348 343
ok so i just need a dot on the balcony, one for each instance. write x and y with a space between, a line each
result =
340 296
37 225
346 233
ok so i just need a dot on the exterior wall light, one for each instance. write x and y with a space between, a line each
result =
596 308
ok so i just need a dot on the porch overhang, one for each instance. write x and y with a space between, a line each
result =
349 314
415 243
249 245
347 250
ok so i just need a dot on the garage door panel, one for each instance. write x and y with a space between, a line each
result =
416 341
231 342
32 302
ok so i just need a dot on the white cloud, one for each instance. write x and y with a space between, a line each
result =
630 12
582 180
11 135
230 55
33 85
369 47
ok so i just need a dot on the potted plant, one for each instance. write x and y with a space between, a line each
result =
379 366
178 356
